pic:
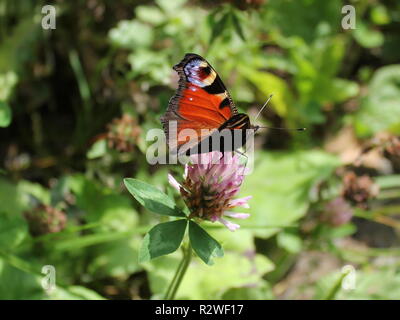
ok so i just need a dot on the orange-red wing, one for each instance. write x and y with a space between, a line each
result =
201 101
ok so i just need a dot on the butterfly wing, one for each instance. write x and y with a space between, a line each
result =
201 102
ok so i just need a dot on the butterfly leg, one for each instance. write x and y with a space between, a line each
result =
247 159
242 154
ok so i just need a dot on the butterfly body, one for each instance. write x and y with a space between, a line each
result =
203 109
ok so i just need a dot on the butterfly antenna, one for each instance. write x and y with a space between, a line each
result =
262 108
277 128
259 112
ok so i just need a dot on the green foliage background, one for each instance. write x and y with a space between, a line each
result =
61 89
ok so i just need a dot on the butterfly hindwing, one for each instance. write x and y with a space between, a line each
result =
201 101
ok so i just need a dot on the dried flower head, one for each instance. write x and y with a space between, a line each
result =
123 133
359 189
45 219
210 183
392 151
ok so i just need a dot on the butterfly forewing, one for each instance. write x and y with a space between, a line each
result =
202 105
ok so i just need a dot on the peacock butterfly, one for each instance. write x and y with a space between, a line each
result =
203 112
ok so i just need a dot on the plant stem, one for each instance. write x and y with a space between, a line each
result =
182 268
336 288
172 283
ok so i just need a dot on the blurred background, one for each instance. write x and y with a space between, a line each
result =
76 103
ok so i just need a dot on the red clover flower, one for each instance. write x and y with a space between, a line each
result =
210 183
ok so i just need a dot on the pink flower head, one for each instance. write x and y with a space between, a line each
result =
210 183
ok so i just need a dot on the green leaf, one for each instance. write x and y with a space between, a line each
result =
380 108
380 15
131 34
368 37
5 114
171 6
151 198
8 80
102 204
11 199
150 14
16 284
13 230
28 189
203 244
218 27
302 19
341 90
116 259
163 239
268 84
289 241
281 186
238 26
98 149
